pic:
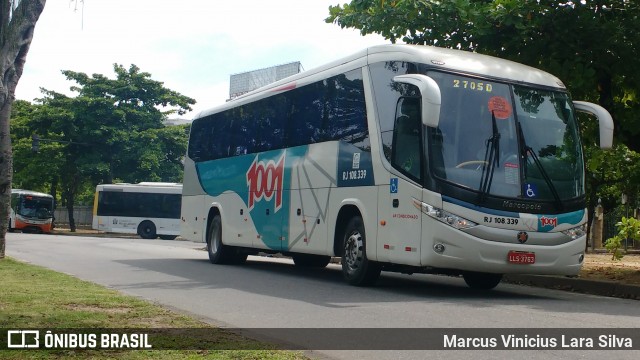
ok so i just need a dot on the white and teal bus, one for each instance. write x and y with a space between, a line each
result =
149 209
398 158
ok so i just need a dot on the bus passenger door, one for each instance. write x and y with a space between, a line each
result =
400 217
400 222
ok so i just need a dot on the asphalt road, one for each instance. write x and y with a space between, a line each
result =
272 293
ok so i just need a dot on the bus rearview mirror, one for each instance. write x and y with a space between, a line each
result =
604 119
430 94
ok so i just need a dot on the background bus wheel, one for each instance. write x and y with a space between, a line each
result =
356 268
308 260
168 237
220 253
482 281
147 230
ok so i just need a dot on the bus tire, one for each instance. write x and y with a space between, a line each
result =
482 281
356 268
147 230
220 253
168 237
311 261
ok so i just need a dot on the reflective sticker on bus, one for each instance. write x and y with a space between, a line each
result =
500 107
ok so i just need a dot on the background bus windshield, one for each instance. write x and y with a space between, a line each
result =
35 207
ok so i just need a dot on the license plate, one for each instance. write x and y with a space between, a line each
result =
521 257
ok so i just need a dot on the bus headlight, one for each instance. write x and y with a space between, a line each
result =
445 217
576 232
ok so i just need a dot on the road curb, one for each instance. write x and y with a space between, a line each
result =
594 287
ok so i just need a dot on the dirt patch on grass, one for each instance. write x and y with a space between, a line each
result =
601 267
95 308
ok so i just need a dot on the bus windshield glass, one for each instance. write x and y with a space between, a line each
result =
35 207
507 140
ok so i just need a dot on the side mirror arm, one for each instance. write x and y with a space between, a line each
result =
604 118
430 94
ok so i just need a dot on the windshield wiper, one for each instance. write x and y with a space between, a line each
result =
525 151
491 159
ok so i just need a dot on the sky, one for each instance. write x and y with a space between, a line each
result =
192 46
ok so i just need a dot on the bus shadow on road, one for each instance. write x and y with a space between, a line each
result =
278 277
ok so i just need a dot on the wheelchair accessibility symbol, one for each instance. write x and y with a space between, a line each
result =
393 186
531 191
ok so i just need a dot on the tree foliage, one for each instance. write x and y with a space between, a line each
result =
112 129
591 45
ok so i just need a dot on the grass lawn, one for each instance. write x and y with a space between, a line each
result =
32 297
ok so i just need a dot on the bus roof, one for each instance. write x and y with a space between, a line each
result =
149 183
435 57
469 62
30 193
143 186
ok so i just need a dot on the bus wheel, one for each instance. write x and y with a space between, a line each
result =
482 281
356 268
147 230
220 253
308 260
168 237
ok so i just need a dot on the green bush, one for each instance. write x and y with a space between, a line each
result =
613 246
628 228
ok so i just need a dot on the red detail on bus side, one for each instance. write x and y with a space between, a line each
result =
285 88
263 180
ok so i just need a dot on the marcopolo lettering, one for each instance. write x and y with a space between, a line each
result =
520 205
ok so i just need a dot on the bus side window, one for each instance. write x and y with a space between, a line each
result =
406 155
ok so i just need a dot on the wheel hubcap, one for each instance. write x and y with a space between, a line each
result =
353 250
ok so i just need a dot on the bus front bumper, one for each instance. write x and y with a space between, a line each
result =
455 249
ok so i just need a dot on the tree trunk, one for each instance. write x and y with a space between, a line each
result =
591 206
17 24
69 200
109 179
54 193
72 221
6 172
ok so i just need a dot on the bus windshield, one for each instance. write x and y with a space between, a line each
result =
35 207
507 140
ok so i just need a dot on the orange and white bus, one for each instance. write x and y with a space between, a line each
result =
31 211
